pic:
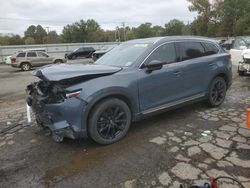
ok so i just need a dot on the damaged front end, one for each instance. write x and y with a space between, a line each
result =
244 66
57 108
57 99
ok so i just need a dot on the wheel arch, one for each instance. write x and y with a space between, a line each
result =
57 59
21 63
224 76
119 95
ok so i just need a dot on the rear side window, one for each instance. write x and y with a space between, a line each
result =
165 53
31 54
191 50
210 48
41 54
21 55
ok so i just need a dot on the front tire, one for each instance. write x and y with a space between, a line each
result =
217 92
109 121
58 61
25 66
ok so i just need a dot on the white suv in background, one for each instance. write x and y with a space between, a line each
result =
239 44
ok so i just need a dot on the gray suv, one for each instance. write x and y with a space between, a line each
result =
136 79
26 60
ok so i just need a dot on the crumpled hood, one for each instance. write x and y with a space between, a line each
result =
61 72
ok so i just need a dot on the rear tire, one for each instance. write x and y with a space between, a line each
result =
58 61
217 92
109 121
25 66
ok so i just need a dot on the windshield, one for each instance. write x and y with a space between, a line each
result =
77 49
123 55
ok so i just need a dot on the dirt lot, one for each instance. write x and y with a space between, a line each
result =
183 146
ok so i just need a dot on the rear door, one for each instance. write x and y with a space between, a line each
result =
195 68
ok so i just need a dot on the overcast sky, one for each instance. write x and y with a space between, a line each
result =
17 15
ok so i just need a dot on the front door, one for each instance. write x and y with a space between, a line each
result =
162 86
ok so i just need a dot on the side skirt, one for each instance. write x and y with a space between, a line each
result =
170 106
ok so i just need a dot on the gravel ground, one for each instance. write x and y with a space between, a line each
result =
182 146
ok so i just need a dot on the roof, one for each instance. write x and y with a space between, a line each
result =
169 38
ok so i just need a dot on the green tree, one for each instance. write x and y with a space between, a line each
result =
174 27
40 34
158 30
11 40
233 13
207 19
52 38
16 40
30 32
144 31
242 26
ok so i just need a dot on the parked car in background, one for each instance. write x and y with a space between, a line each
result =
227 44
239 44
99 53
244 65
135 80
80 52
7 60
29 59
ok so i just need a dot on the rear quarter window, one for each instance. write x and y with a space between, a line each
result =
210 48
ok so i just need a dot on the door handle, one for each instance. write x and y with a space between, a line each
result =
177 73
211 64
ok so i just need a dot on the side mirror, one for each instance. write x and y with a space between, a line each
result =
243 47
154 65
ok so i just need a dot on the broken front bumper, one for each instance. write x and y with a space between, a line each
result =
64 119
243 67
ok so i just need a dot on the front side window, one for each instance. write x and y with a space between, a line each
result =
165 53
21 55
191 50
81 50
31 54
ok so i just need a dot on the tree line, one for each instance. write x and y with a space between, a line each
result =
219 18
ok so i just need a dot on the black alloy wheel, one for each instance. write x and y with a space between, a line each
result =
217 92
109 121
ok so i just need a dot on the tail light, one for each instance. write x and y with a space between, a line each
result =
13 60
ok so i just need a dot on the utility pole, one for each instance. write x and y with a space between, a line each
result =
47 29
118 32
124 32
